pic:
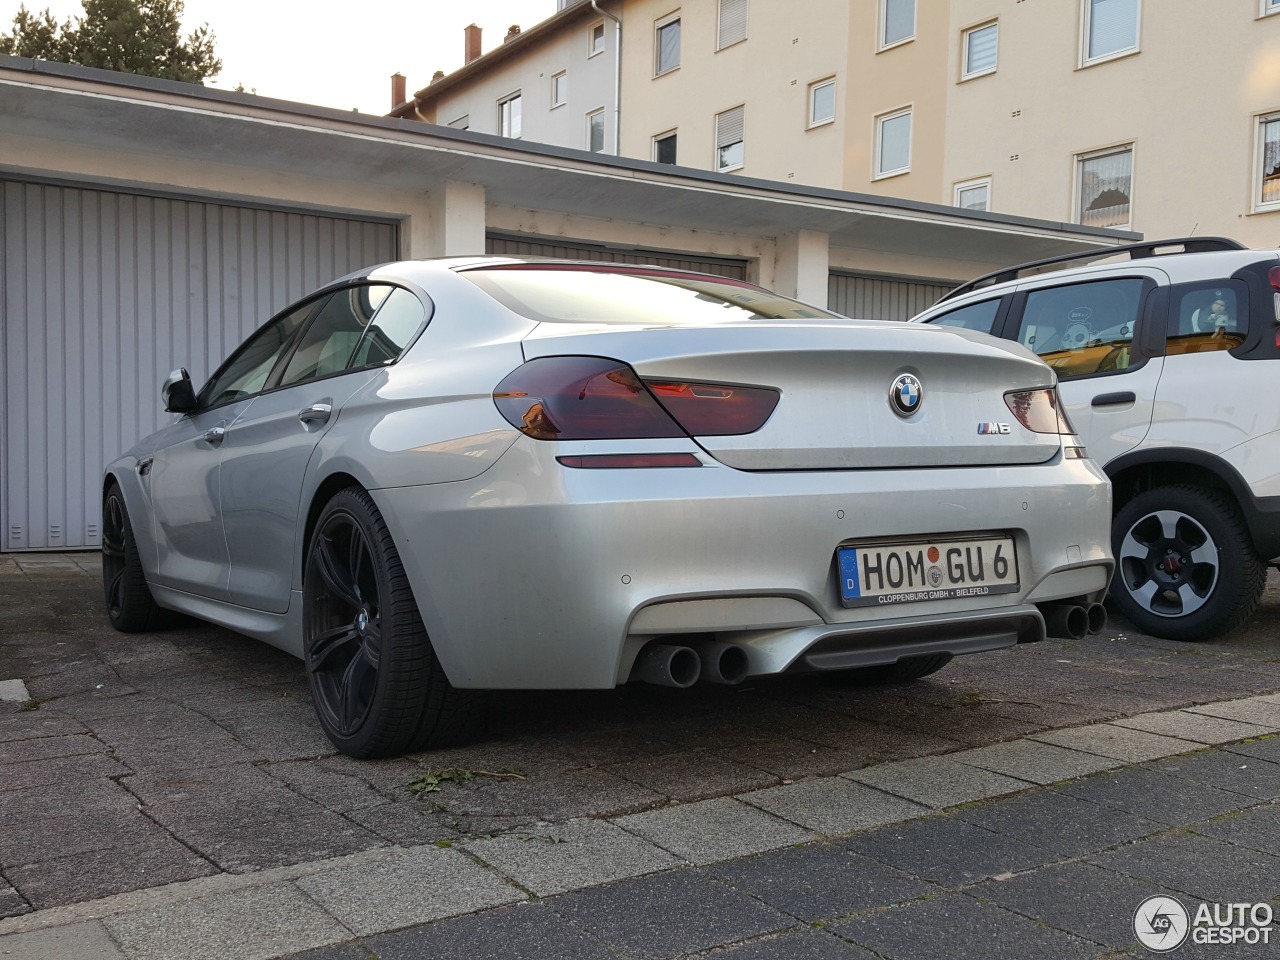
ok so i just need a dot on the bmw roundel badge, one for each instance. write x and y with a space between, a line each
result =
906 395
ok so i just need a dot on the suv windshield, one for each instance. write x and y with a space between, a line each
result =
581 294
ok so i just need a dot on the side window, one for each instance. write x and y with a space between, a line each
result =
1083 328
1207 317
246 372
330 340
975 316
393 326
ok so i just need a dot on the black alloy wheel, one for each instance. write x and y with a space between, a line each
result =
378 688
130 606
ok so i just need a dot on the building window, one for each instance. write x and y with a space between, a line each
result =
666 45
1269 7
1104 188
974 194
1110 29
509 116
980 45
595 40
733 23
729 140
595 131
822 102
893 144
461 123
559 88
1269 162
897 22
664 147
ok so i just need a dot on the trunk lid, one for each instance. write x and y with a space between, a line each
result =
835 411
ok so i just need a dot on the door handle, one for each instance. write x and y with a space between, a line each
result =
316 413
1113 399
215 436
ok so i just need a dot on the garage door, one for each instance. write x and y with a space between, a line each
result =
870 297
101 295
515 246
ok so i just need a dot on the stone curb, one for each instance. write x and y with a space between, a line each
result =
558 858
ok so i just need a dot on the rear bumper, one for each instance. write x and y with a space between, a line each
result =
534 575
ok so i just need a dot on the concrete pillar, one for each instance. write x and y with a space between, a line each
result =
454 224
802 265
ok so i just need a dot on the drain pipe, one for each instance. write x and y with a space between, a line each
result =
617 75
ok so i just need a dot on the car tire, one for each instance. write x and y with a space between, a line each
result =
379 689
903 671
130 606
1173 546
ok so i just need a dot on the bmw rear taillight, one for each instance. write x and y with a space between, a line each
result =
594 398
1040 411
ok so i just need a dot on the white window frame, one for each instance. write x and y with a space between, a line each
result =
1268 7
813 91
559 87
1077 205
965 72
658 25
881 120
1086 12
653 151
592 49
973 184
1259 162
715 162
591 116
503 114
881 42
746 24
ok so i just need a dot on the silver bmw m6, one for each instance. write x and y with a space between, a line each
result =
437 477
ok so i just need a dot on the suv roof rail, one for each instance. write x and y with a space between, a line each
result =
1136 251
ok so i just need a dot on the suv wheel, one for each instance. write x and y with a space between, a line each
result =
1185 565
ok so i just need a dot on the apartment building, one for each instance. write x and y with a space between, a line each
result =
1159 116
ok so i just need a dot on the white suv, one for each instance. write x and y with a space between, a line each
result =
1163 364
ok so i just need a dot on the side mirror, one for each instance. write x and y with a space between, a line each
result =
178 394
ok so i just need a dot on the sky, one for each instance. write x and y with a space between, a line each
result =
330 54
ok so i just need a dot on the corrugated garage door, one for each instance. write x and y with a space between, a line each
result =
101 295
526 247
869 297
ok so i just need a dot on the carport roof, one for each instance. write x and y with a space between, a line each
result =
100 109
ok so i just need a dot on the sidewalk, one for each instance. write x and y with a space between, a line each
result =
1036 847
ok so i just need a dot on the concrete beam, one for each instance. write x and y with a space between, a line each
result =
802 265
455 225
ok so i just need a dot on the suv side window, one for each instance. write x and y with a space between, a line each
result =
1206 317
973 316
247 371
1083 328
329 343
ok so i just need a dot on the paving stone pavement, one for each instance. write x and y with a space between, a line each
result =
169 795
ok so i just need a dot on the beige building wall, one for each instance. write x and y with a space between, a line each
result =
529 72
1188 102
883 80
787 49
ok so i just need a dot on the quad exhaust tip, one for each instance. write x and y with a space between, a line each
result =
677 665
1073 620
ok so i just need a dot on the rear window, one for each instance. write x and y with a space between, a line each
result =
575 294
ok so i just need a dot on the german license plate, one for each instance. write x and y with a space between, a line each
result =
938 570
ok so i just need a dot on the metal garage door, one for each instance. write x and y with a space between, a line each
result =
101 295
870 297
515 246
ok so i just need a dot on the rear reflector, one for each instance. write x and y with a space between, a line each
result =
1040 411
713 410
617 461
